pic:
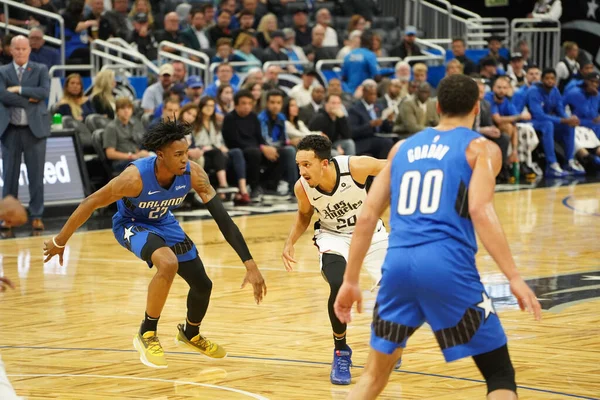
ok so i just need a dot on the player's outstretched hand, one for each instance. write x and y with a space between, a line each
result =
254 277
527 299
288 257
50 250
348 295
4 283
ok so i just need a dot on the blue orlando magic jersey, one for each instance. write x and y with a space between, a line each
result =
154 202
430 179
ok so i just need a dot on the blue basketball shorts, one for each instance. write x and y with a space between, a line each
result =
436 283
133 235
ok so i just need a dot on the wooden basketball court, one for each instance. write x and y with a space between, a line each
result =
66 332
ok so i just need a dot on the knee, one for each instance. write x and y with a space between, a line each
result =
235 154
167 265
497 369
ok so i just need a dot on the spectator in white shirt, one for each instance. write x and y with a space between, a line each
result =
567 68
324 19
302 92
547 9
154 94
353 43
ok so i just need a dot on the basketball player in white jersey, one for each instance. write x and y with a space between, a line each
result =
13 213
335 189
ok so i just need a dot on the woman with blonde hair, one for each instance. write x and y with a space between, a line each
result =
267 25
208 140
102 98
74 103
243 52
142 6
454 67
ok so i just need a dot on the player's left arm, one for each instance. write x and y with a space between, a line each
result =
361 167
377 201
201 184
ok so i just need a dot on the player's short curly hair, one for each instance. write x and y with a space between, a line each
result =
457 95
164 133
320 145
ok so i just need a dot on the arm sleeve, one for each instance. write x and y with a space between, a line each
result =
373 67
258 132
228 228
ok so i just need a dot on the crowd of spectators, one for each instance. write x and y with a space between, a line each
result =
245 125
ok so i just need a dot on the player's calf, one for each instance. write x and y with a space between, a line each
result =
498 372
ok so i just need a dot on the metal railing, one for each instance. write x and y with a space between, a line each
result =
193 67
284 63
543 37
36 11
479 29
74 67
105 53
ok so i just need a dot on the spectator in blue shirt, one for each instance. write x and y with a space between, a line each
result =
272 123
586 69
584 102
40 52
225 76
360 64
504 113
549 117
520 96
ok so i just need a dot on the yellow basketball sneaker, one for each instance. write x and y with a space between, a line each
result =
151 352
201 344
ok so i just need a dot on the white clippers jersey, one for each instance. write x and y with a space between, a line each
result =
339 210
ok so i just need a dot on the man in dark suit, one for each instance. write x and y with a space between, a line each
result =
195 36
365 122
24 125
307 112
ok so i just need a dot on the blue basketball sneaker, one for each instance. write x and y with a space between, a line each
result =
340 367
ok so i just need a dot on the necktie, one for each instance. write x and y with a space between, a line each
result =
17 113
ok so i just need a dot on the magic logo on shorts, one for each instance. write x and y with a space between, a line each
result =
340 209
163 203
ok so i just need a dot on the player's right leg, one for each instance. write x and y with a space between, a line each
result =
333 267
153 249
146 341
396 317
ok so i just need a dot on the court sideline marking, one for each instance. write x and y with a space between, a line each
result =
138 378
283 360
565 202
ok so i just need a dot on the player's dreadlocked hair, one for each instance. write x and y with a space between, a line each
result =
165 132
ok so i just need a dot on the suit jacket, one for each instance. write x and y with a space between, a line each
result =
306 113
189 39
35 88
412 119
360 121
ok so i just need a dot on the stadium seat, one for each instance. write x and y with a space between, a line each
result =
96 121
146 119
329 5
292 7
84 134
97 142
385 23
341 24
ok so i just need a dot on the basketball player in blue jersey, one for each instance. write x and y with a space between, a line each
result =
334 188
439 184
145 193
